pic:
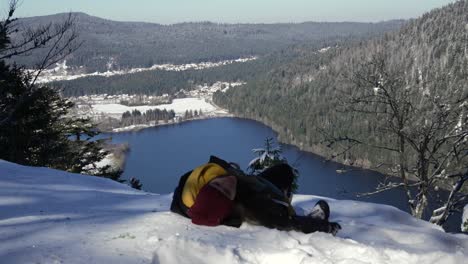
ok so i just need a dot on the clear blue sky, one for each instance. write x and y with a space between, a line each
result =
232 11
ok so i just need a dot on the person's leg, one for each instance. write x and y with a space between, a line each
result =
308 225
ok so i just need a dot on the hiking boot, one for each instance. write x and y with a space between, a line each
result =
320 211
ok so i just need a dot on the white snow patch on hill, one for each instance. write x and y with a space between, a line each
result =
61 70
49 216
178 105
324 50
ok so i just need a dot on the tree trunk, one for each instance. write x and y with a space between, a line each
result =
421 204
403 172
424 187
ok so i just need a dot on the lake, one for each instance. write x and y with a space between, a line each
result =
160 155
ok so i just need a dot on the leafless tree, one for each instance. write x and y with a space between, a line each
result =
423 127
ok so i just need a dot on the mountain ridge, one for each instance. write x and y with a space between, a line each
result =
142 44
86 15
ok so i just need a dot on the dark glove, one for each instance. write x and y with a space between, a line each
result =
333 228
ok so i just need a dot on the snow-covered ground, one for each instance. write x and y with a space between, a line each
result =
49 216
178 105
323 50
100 106
62 72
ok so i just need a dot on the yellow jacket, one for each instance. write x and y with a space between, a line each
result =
197 179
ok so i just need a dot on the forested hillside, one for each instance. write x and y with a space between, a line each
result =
111 45
158 82
322 95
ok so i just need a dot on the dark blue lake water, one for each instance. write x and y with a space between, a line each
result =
160 155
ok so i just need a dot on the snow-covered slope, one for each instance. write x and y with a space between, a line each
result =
49 216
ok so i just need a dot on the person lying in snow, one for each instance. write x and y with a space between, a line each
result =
219 193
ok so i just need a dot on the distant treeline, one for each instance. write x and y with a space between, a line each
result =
189 114
135 117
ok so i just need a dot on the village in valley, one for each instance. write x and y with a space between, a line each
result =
107 110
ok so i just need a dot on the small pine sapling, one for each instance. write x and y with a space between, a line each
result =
268 156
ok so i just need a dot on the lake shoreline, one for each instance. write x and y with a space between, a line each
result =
345 167
139 127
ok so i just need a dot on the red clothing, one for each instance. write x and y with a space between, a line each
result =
211 207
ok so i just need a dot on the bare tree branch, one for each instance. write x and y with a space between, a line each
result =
386 187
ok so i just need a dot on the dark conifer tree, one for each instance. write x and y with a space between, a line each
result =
35 128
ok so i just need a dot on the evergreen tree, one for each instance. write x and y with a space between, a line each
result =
35 128
267 157
135 183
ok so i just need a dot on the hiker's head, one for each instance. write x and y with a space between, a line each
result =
282 176
214 202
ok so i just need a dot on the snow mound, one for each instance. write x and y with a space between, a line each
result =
50 216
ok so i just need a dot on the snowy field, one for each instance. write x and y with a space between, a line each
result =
201 98
178 105
49 216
